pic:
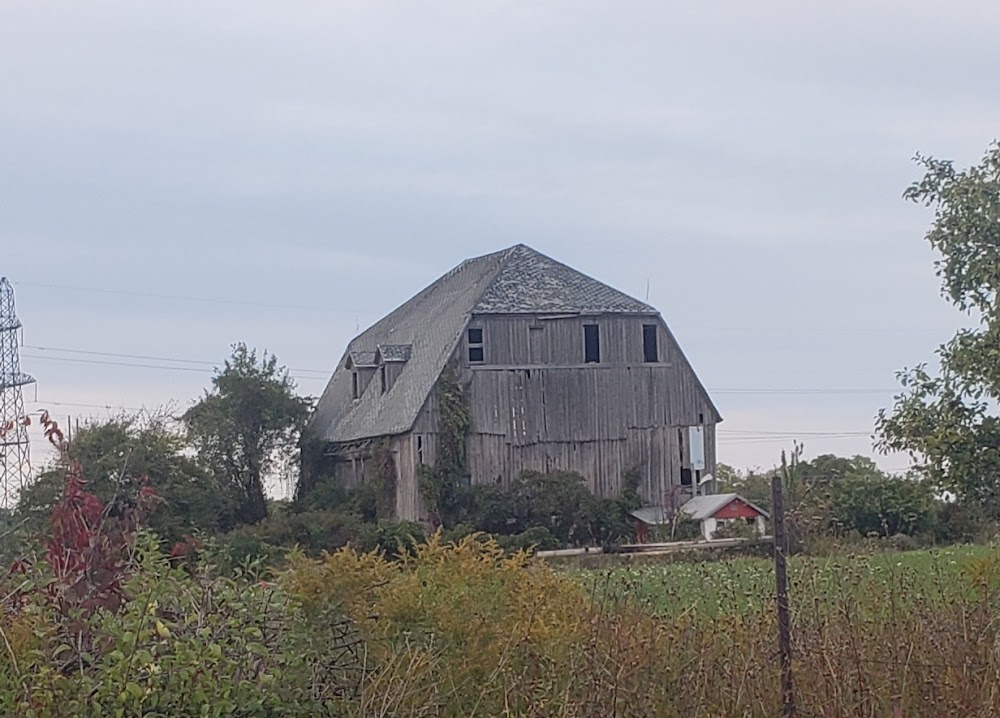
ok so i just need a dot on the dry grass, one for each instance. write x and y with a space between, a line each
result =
462 632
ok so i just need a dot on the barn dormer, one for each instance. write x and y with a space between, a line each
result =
362 366
390 359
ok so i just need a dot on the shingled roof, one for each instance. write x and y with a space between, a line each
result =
531 283
517 280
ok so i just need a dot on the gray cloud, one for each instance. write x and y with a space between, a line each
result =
746 160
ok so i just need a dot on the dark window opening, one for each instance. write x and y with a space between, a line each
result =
686 478
650 351
420 450
476 353
381 377
591 344
354 385
751 520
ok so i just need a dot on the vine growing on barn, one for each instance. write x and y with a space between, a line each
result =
441 485
384 480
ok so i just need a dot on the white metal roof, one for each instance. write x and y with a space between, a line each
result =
705 507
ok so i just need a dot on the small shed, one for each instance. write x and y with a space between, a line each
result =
711 511
647 518
716 510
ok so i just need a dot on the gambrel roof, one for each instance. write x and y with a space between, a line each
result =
424 332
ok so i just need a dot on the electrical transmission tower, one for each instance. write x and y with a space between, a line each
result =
15 464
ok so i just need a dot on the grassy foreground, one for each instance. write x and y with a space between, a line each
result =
746 585
463 630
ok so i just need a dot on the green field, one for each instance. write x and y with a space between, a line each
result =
746 585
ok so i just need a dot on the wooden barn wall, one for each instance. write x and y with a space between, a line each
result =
531 340
352 469
576 419
590 403
536 406
407 493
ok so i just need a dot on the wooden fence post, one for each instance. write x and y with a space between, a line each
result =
781 581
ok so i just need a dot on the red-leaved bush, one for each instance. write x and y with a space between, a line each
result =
89 549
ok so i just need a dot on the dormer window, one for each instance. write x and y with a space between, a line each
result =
477 355
362 366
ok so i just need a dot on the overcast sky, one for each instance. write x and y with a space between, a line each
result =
175 177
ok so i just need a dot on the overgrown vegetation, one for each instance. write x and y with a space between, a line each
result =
947 419
114 457
467 629
384 482
836 500
443 485
245 425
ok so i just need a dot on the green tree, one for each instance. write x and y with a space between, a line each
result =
751 484
560 501
112 454
882 505
247 425
832 468
946 420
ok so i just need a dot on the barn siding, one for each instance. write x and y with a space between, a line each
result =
536 406
408 503
558 341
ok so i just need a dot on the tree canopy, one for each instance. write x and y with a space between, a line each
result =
947 419
112 454
246 425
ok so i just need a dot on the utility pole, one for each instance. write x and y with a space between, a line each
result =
781 581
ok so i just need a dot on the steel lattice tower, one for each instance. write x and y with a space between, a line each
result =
15 464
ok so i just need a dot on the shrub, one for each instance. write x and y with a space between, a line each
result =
737 529
182 645
960 523
392 538
882 505
537 538
683 528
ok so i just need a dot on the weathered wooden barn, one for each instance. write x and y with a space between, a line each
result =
560 371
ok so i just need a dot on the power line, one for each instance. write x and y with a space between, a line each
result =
314 307
801 433
146 357
109 407
203 366
205 369
177 297
778 392
110 363
779 439
197 370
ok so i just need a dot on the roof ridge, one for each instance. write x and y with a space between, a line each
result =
549 286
